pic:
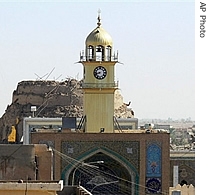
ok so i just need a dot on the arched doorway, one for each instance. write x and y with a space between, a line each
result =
114 176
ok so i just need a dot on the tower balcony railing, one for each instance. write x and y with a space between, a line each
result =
100 85
98 58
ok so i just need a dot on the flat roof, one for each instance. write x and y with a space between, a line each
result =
31 185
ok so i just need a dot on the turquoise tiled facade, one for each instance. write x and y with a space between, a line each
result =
153 168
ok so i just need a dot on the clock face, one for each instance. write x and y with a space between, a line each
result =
100 72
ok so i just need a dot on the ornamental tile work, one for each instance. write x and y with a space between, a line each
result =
153 185
127 149
186 170
153 167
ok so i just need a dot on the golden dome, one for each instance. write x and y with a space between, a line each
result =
99 37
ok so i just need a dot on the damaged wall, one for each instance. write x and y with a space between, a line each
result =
52 99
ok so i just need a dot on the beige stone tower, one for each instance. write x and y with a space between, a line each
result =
99 85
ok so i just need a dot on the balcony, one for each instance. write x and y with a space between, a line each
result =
99 58
100 85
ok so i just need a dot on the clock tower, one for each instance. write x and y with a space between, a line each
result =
98 81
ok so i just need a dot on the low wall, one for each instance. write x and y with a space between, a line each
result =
185 189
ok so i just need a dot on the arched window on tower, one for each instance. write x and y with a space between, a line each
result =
90 54
108 53
99 53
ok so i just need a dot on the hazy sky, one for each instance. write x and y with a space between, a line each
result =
155 41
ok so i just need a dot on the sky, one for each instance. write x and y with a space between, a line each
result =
155 41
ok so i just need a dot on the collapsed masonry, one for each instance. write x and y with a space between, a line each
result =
52 99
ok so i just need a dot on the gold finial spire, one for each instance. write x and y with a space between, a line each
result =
99 18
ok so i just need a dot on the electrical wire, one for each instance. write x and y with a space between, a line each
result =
48 96
94 171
